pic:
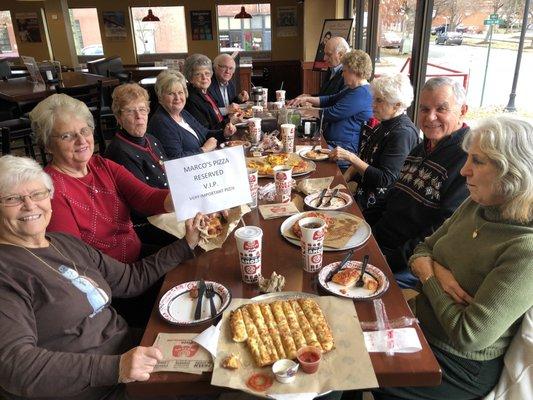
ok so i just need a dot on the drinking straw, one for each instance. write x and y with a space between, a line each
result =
281 87
321 121
384 325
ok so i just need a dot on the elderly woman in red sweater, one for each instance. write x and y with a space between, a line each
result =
94 196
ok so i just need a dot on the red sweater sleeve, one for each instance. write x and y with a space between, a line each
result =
138 195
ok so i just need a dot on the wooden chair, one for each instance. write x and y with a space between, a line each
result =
91 95
19 130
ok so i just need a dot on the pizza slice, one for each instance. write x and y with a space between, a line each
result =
318 322
307 330
238 329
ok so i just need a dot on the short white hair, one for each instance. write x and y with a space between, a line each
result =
342 45
221 57
508 143
394 89
195 61
459 92
167 80
15 171
57 106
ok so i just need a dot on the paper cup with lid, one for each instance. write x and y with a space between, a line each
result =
249 246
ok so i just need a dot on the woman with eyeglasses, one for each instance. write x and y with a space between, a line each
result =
60 337
198 71
139 152
179 132
94 196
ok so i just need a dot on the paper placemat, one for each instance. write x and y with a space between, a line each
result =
182 354
271 211
346 367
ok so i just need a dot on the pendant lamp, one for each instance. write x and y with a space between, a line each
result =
150 17
243 14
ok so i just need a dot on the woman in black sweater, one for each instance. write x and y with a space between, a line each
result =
383 149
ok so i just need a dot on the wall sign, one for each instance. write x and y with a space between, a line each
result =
114 24
201 26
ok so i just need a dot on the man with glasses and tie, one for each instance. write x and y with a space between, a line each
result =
222 87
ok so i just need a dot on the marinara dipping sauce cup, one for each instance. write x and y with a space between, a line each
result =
309 358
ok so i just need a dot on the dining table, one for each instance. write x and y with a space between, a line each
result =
222 265
22 89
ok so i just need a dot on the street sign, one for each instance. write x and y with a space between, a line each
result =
492 22
494 16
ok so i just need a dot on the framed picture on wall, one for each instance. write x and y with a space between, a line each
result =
28 27
114 24
201 27
331 28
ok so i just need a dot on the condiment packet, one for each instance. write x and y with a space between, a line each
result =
405 341
182 354
271 211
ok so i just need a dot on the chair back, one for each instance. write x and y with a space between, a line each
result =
109 66
5 70
91 95
19 130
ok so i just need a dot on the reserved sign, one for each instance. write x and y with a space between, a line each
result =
208 182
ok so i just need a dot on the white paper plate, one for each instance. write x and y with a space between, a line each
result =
178 307
233 143
359 238
303 154
354 292
309 200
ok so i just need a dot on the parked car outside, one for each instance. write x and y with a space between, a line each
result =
440 29
391 40
93 50
449 38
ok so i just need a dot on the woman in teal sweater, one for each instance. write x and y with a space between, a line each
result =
476 269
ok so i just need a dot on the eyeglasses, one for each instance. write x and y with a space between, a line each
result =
226 68
205 74
132 111
17 199
71 136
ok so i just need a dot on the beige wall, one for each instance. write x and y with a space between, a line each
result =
302 47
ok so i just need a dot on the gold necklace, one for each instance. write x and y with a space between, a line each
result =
66 172
48 265
476 231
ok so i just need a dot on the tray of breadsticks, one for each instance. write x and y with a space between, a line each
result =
258 334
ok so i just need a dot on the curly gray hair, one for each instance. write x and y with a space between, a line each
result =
394 89
195 61
508 143
15 171
57 106
167 80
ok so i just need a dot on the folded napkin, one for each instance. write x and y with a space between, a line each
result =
405 340
313 185
208 339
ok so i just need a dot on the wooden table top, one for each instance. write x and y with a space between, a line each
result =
222 265
17 90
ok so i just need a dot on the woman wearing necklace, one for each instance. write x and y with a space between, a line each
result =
94 196
178 130
384 149
475 270
139 152
59 336
345 112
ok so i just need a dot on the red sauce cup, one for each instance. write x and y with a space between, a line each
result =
309 358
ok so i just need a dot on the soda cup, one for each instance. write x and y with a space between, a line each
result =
287 137
265 98
257 111
254 127
280 96
249 239
312 242
283 183
253 181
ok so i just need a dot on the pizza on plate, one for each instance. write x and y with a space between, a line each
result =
348 276
296 227
266 165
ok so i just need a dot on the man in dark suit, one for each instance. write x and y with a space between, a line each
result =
222 87
335 48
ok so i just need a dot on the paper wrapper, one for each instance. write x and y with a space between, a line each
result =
181 354
344 226
313 185
271 211
346 367
168 223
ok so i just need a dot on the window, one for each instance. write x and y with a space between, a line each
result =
163 37
86 31
8 44
244 34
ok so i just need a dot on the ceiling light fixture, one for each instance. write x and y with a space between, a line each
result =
150 17
243 14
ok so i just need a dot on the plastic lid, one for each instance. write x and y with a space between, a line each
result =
249 232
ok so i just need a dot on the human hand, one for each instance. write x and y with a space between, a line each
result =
298 101
233 108
422 268
138 363
229 130
338 153
450 285
209 145
244 96
192 229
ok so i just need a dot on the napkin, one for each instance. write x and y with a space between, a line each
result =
313 185
405 341
293 396
300 148
208 339
271 211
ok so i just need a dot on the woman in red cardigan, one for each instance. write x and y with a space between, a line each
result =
94 196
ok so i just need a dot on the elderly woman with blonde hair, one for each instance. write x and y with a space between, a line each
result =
345 112
179 131
383 148
59 335
475 270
